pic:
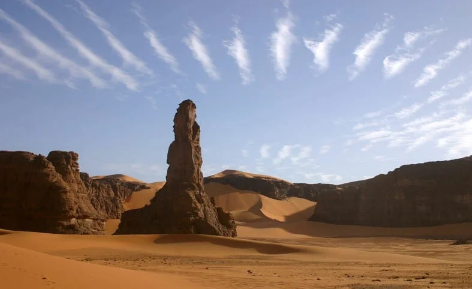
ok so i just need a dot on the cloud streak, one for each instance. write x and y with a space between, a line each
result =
406 54
431 71
406 112
160 50
366 49
281 42
237 49
264 151
95 60
40 71
321 49
200 52
128 57
201 88
75 70
13 72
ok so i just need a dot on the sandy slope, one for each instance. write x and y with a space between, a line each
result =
247 175
22 268
141 198
276 248
248 206
196 261
119 177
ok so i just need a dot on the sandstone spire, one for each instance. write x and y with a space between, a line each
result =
181 206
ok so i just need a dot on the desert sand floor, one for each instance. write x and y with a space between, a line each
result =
275 248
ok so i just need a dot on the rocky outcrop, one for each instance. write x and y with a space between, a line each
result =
427 194
181 206
45 194
267 186
271 187
107 195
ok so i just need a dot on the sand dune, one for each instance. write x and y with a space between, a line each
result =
244 174
248 206
73 246
141 198
22 268
38 260
276 248
119 177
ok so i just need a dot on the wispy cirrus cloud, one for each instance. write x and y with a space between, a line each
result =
458 101
410 38
151 35
264 151
152 101
11 71
369 44
44 50
324 149
237 49
303 154
200 52
128 57
444 90
431 71
116 73
284 153
201 88
328 178
40 71
281 42
373 114
405 54
321 49
408 111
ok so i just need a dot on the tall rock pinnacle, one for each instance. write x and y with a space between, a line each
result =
181 206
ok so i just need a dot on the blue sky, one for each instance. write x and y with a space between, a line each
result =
308 91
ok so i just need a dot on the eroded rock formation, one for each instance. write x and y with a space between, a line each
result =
272 187
45 194
427 194
107 195
181 206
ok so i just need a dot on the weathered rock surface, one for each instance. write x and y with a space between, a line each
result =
45 194
271 187
427 194
267 186
181 206
107 195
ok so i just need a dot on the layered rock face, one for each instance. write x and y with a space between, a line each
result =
107 195
181 206
45 194
272 187
426 194
432 193
269 187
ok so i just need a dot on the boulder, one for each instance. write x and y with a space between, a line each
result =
181 206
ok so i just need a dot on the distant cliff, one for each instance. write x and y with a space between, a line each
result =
425 194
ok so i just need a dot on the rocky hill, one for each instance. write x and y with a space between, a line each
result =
425 194
49 194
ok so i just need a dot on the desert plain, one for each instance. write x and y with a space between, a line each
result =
276 247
